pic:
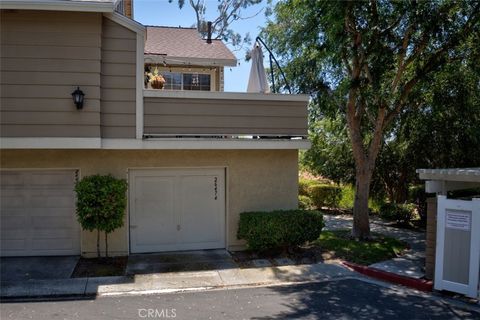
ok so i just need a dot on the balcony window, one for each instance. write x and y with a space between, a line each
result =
198 79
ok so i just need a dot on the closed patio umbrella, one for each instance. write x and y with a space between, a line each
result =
257 81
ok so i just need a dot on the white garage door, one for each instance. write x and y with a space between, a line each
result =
177 209
37 213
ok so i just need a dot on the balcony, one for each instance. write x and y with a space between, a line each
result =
224 115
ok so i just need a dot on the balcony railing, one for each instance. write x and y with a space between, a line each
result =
223 114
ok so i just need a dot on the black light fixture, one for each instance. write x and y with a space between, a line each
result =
78 98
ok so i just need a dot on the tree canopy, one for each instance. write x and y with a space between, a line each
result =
369 63
228 11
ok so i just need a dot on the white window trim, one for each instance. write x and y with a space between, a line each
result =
189 70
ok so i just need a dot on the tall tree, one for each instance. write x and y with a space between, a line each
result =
371 58
228 11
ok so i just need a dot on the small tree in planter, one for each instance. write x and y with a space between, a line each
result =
101 202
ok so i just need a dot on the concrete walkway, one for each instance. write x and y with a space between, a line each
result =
172 282
411 264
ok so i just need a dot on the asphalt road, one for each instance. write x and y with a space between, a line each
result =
343 299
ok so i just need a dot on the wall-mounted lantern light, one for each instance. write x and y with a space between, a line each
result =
78 96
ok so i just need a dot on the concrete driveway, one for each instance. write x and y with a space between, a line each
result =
36 268
198 260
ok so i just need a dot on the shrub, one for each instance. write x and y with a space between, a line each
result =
325 195
402 213
347 198
267 230
304 202
417 195
101 202
304 186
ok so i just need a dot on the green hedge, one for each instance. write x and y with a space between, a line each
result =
402 213
267 230
304 186
325 195
304 202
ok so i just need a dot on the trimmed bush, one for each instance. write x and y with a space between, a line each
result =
402 213
304 202
101 203
304 186
325 195
276 229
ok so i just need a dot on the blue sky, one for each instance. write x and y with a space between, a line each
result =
163 13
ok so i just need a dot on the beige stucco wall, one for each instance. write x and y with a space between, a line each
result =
256 179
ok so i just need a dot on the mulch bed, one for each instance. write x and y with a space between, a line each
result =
100 267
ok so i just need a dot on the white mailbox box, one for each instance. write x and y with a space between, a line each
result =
457 258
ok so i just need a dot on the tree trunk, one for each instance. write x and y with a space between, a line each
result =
361 223
98 243
106 245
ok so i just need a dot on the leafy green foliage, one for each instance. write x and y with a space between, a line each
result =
101 202
304 202
325 195
339 245
403 213
304 186
367 64
267 230
330 155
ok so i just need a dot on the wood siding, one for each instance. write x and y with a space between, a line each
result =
177 116
118 81
44 57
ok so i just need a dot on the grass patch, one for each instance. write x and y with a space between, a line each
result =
338 245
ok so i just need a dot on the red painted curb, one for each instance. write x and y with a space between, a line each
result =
419 284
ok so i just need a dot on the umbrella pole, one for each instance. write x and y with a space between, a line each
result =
276 62
271 73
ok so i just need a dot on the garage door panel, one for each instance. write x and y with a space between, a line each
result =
13 245
154 220
12 234
12 180
11 201
52 213
177 209
52 233
51 202
200 217
14 221
51 179
50 222
38 213
55 244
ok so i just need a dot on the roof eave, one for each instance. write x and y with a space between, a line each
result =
159 58
51 5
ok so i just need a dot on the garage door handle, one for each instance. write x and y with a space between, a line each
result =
132 227
178 227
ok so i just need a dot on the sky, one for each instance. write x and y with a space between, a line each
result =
163 13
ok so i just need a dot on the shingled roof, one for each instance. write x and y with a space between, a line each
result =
187 46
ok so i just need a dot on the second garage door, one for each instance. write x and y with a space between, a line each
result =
37 213
177 209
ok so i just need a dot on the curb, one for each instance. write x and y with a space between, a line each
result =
418 284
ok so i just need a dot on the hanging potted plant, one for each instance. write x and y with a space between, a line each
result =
156 80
